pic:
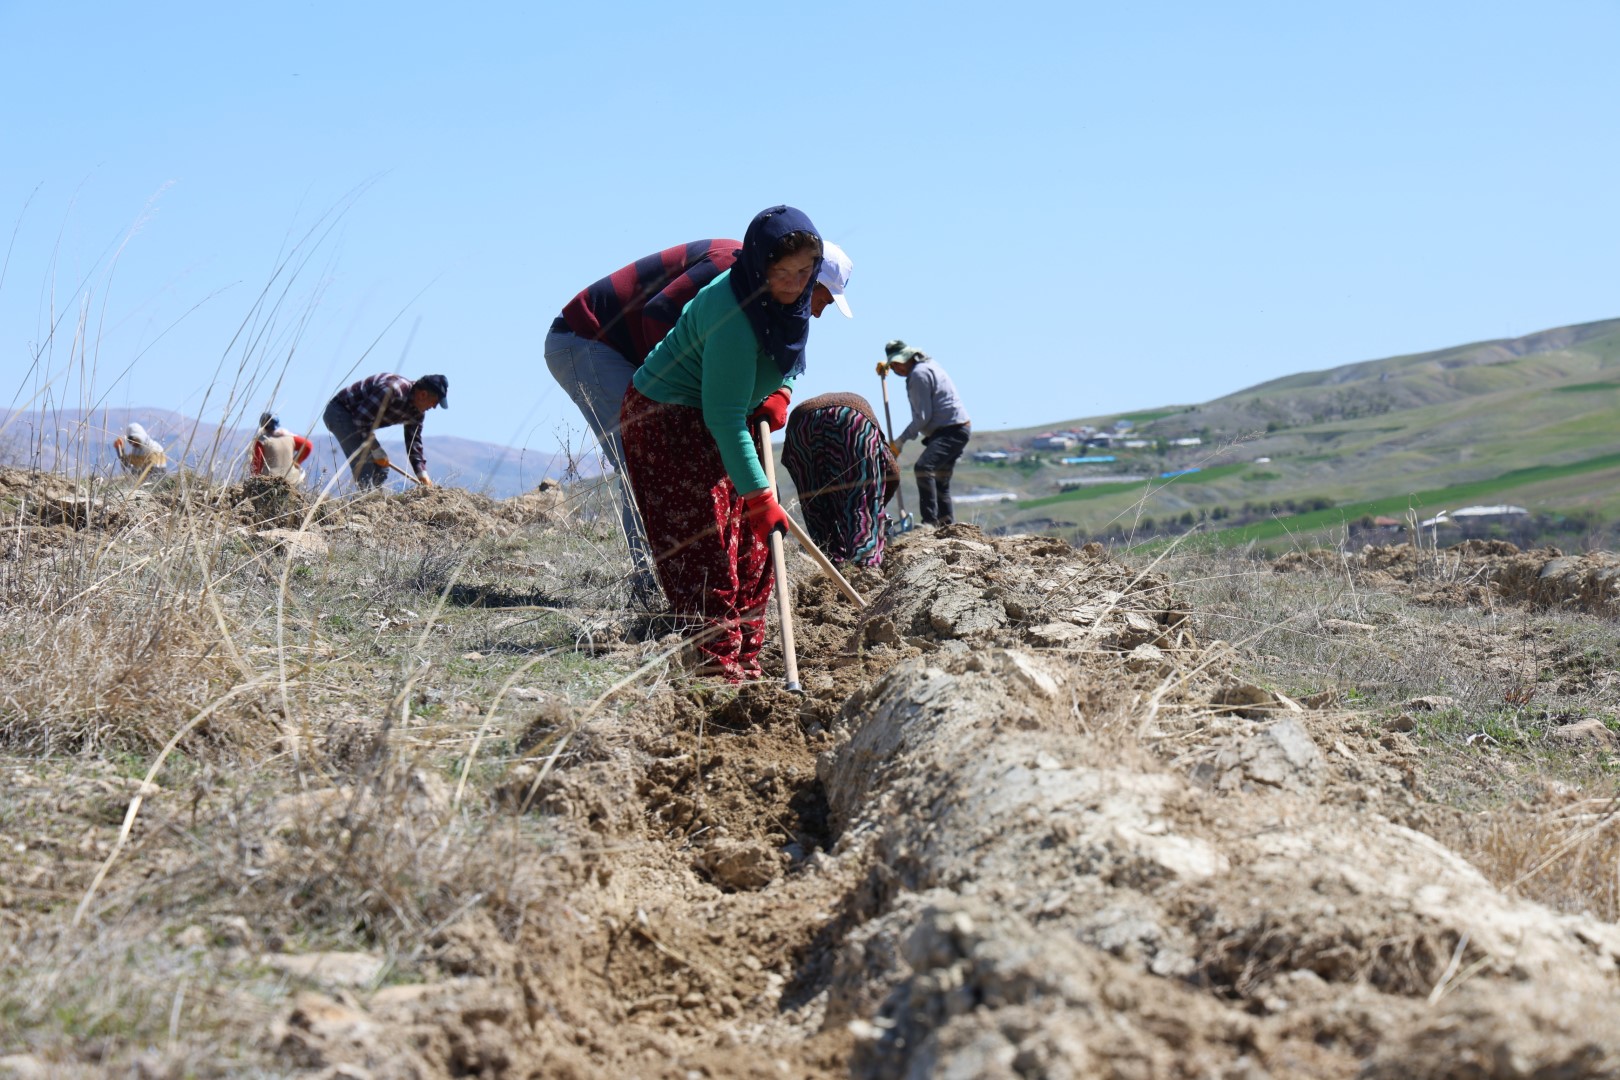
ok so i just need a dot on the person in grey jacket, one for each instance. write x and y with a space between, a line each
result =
937 414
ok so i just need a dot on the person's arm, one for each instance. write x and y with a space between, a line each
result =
414 450
257 467
920 392
890 464
302 448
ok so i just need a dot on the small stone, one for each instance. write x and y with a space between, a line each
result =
1403 722
742 864
295 543
331 968
1145 657
192 937
1345 626
1245 699
1431 703
1023 668
1057 635
1588 732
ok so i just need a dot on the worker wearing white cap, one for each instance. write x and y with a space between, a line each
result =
831 281
605 332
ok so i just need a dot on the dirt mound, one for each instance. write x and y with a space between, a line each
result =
449 513
1478 571
51 501
547 504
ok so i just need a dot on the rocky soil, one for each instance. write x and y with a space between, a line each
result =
1023 823
1480 572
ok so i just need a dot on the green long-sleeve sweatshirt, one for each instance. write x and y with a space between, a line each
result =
712 361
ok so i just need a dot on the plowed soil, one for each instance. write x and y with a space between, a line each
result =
1022 824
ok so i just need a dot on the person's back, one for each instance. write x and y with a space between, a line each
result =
139 452
280 456
278 452
632 308
835 452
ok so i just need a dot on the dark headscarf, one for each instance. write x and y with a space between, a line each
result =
780 329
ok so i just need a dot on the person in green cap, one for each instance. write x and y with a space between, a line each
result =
938 415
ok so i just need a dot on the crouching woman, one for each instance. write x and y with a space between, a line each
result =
845 475
687 423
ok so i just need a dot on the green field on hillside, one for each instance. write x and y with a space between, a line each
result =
1424 503
1532 415
1098 491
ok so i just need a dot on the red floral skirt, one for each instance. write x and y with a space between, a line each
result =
713 568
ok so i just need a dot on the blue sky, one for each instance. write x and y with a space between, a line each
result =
1077 208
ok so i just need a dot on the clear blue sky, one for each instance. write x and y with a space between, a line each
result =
1078 209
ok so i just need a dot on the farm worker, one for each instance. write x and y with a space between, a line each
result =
354 414
844 472
938 415
688 424
606 331
139 452
278 452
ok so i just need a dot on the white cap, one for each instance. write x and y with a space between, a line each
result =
835 268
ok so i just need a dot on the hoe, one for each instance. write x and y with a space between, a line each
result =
905 524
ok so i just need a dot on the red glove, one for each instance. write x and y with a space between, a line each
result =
765 515
774 409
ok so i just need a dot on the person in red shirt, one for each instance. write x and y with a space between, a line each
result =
605 332
279 452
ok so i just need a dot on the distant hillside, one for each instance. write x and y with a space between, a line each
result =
72 441
1533 420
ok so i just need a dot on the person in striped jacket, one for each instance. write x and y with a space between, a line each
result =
355 414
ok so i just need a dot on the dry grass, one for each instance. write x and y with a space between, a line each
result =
312 811
1532 813
108 637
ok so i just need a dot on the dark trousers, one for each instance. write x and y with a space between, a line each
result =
357 445
934 468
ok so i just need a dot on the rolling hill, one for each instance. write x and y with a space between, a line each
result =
1528 420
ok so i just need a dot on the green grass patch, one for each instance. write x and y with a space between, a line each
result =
1397 505
1097 491
1150 415
1586 388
